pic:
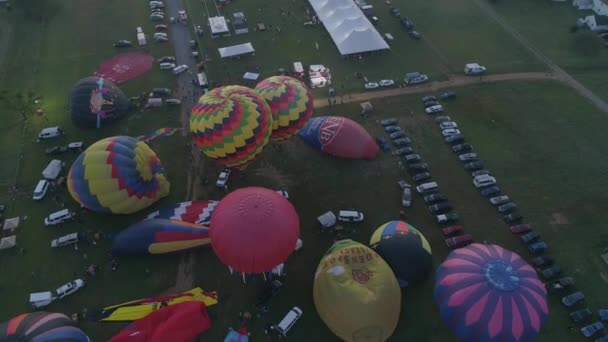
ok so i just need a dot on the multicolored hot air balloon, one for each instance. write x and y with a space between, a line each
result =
356 293
41 326
254 229
117 175
340 137
198 212
159 133
404 249
232 125
291 104
160 236
95 101
486 293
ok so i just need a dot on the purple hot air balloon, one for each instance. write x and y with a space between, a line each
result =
486 293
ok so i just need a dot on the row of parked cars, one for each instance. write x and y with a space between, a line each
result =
487 185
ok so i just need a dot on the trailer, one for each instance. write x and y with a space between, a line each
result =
141 39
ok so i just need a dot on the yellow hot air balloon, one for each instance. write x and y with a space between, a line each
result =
356 293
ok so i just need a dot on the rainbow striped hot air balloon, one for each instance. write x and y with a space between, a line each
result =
291 104
232 125
118 175
41 326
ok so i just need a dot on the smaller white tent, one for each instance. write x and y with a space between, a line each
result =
11 224
236 50
251 76
218 26
8 242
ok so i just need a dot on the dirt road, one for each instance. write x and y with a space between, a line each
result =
453 81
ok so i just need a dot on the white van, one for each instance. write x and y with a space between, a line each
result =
350 216
426 187
41 299
65 240
50 132
139 30
58 217
474 69
52 170
179 69
167 66
40 190
289 320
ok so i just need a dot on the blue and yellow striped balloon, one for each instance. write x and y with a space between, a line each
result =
117 175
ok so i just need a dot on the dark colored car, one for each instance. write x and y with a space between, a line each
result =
404 151
451 230
561 284
442 118
551 272
530 237
428 98
123 43
402 142
160 27
435 198
459 241
391 129
412 158
538 248
397 135
581 315
407 24
389 122
473 166
418 167
512 218
520 228
573 299
56 150
448 95
490 191
415 34
383 143
161 91
507 208
543 261
454 139
592 329
439 208
166 59
462 148
421 177
430 103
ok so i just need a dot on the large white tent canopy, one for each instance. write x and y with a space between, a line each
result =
236 50
348 27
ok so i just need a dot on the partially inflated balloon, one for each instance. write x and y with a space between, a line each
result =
117 175
356 293
340 137
92 97
41 326
231 124
291 104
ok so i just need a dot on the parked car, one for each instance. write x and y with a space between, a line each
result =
551 272
573 299
383 143
479 173
543 261
397 135
435 198
413 78
166 59
179 69
418 167
386 83
392 129
459 241
69 288
498 200
412 158
428 98
592 329
430 103
173 102
160 27
76 146
222 179
407 24
402 142
473 166
454 139
467 157
434 109
451 230
157 17
530 237
448 124
561 284
581 315
406 197
439 208
490 191
350 215
446 218
161 39
123 43
415 34
512 218
603 313
372 85
56 150
520 228
448 95
462 148
450 131
442 118
404 151
421 177
483 181
389 122
403 184
39 191
507 208
538 248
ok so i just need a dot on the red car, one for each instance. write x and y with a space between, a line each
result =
451 230
459 241
520 228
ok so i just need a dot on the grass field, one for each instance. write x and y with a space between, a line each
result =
543 144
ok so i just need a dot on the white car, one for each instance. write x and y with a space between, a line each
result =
465 157
448 124
283 193
167 66
450 131
371 85
406 197
434 109
161 39
223 178
160 34
387 83
179 69
69 288
483 181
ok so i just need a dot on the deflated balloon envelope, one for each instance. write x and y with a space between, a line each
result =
41 326
93 96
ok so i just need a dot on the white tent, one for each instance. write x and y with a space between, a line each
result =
218 25
236 50
8 242
348 27
11 224
251 76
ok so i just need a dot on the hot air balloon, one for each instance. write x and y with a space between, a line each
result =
117 175
291 104
93 98
404 249
254 229
356 293
340 137
232 125
198 212
486 293
41 326
160 236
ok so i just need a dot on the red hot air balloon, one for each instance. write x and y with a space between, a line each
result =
340 137
254 229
